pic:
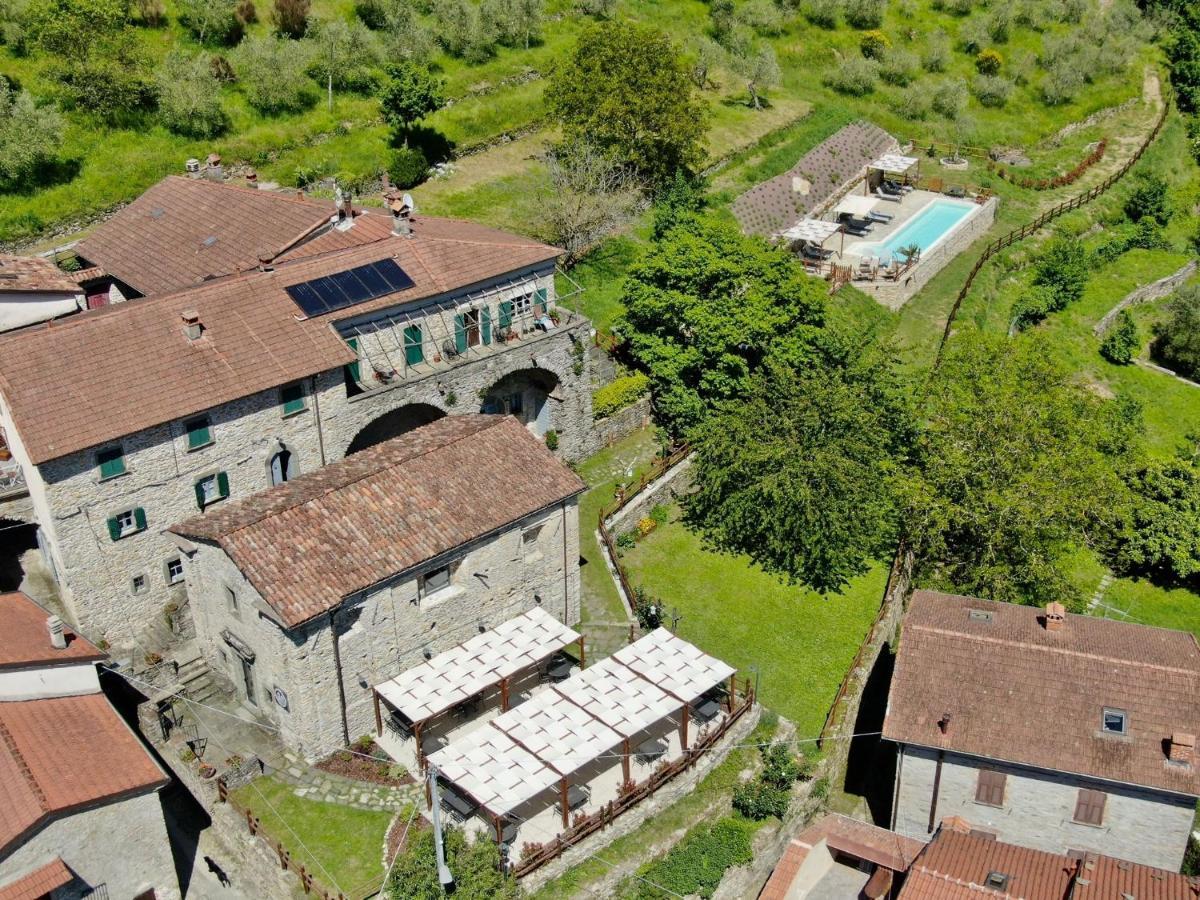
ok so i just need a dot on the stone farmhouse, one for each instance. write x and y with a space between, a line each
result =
1065 733
265 336
308 594
33 289
80 813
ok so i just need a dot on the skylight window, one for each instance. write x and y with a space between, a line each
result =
1114 721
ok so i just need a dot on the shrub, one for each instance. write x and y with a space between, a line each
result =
865 13
992 90
899 67
290 17
1123 342
189 97
660 513
551 439
476 867
999 23
372 13
989 61
407 167
937 52
1149 199
911 103
873 44
211 20
619 393
695 866
648 610
626 540
1061 83
950 98
271 71
1031 307
758 800
780 768
855 77
150 13
221 70
1177 338
1063 269
823 13
959 7
246 12
29 136
974 36
645 526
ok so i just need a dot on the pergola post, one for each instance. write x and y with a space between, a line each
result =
625 754
378 714
562 794
499 829
420 750
731 688
504 694
582 653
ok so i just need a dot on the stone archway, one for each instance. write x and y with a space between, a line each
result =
17 538
393 424
531 395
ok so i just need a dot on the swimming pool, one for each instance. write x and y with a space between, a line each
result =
926 229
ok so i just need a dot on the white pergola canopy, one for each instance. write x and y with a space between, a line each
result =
477 664
528 749
855 205
894 162
816 231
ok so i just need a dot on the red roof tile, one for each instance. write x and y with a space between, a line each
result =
143 371
38 883
27 641
34 273
63 753
308 543
989 671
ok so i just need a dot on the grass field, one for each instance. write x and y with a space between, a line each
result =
336 843
1142 601
801 642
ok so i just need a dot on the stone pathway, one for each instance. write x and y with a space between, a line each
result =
316 784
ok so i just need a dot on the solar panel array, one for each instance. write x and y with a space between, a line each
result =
348 288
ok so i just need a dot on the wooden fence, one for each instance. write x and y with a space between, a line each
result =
1019 234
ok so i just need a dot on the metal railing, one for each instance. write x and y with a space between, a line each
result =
12 479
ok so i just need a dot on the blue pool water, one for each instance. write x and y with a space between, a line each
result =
924 229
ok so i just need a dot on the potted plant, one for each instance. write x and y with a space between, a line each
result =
234 762
207 772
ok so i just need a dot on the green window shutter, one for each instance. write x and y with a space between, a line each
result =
112 462
139 518
485 324
414 352
199 433
293 399
506 314
539 304
353 370
199 495
114 529
460 334
222 484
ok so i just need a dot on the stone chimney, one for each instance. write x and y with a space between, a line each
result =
1182 748
266 262
401 215
191 324
214 171
1056 616
956 823
192 167
58 638
944 723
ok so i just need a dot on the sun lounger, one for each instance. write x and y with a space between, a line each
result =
956 190
857 232
880 217
881 193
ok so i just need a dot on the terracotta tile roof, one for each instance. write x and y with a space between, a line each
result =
1000 675
27 642
184 230
38 883
143 371
861 840
63 753
956 865
308 543
34 273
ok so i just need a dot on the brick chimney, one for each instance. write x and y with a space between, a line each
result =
191 324
402 211
1056 616
58 639
1182 749
944 723
956 823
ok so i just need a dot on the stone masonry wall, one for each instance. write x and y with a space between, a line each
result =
621 424
1139 825
122 846
383 632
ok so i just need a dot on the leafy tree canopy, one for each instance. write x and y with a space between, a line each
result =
475 867
71 29
706 306
410 94
1178 337
625 89
1162 535
29 136
1123 341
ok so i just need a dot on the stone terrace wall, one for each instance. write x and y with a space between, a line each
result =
607 431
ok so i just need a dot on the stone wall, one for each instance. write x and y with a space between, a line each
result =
381 632
119 846
1142 826
607 431
1155 290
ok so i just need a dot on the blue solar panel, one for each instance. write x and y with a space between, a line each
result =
349 287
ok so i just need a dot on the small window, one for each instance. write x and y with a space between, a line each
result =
414 349
989 789
127 522
212 488
433 581
1089 807
138 584
292 399
522 305
1114 721
174 570
529 536
111 461
231 600
997 881
199 433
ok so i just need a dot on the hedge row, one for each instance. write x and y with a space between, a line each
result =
696 865
619 393
1044 184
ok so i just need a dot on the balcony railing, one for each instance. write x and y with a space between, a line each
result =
12 479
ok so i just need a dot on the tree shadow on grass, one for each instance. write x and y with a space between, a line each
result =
48 174
435 145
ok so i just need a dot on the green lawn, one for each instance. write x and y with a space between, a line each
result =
802 642
1142 601
343 843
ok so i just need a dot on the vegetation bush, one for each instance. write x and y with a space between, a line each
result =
1123 342
1161 537
988 62
30 137
1061 83
1150 198
758 800
271 71
899 67
937 52
1063 269
214 21
780 768
855 77
911 103
865 13
619 393
407 167
290 17
992 90
1177 337
950 98
874 44
476 868
823 13
695 866
189 96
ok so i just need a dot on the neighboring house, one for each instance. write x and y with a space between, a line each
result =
355 328
1061 732
33 289
308 594
79 808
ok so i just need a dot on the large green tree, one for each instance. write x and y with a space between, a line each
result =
706 306
801 473
1177 340
625 89
29 136
1016 467
1162 535
410 94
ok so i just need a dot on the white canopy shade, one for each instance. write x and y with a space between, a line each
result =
814 230
856 205
494 770
679 668
476 665
894 162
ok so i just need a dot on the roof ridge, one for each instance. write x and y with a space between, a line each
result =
278 195
1068 651
365 475
10 744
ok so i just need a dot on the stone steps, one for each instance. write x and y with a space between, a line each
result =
197 680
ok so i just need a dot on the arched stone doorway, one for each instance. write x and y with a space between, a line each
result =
529 394
16 539
393 424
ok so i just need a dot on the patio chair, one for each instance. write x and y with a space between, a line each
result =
650 750
577 796
856 231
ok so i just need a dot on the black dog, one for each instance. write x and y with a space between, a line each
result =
218 871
